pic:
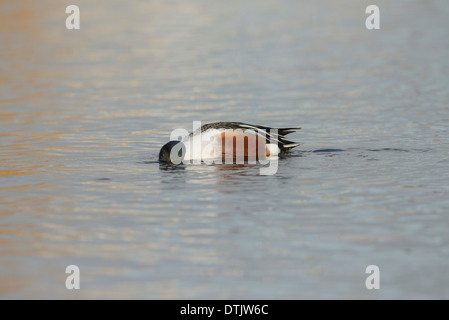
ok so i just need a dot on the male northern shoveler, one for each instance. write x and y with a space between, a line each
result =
228 140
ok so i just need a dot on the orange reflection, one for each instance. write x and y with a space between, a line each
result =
26 83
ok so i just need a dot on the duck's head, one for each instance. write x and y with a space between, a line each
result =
172 152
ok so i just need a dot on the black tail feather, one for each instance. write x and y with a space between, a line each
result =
284 144
285 131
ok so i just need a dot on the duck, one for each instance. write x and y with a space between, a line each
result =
232 142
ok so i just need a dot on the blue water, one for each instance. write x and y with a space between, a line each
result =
83 115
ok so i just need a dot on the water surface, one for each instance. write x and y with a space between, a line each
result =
83 114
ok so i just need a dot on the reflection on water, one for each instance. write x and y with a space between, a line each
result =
83 114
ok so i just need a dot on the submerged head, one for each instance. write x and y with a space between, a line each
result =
172 152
